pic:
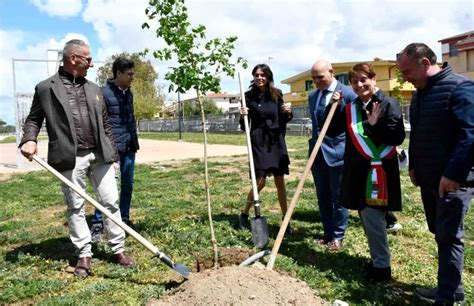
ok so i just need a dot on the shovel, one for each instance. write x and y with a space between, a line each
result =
179 268
258 224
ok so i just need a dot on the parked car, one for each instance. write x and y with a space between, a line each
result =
197 127
300 126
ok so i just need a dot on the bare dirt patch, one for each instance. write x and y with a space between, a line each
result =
241 286
233 285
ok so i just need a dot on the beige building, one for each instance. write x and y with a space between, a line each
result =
458 51
386 70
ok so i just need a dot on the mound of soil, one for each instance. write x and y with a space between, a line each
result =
235 285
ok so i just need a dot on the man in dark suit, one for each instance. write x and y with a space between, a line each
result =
80 146
441 160
327 168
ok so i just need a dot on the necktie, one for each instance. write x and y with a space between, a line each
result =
320 112
322 100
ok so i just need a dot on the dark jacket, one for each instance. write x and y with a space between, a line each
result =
267 131
121 116
442 129
389 130
332 148
50 102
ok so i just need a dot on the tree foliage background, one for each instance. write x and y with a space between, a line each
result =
148 97
5 128
191 108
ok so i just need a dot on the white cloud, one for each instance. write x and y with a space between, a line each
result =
289 35
60 8
23 67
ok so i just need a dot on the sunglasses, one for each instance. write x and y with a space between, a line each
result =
87 59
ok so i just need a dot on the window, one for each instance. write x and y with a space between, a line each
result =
453 50
308 85
342 78
470 60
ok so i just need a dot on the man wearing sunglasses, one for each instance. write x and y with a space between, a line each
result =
81 146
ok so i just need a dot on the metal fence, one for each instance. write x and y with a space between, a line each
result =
215 124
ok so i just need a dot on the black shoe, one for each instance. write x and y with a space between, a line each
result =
243 221
429 295
288 231
129 223
374 274
96 232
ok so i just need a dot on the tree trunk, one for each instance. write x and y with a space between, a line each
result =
206 182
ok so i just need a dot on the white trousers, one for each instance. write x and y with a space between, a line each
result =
90 164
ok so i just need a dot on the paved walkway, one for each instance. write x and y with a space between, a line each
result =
150 151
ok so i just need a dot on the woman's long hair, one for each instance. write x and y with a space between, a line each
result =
275 93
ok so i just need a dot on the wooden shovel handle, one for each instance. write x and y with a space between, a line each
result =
94 203
289 212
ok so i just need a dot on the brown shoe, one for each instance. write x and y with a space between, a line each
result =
124 260
334 245
83 267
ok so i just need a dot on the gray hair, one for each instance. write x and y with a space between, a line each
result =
71 46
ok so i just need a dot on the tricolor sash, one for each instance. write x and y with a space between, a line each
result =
376 186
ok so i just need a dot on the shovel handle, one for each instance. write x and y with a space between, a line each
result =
94 203
289 212
249 147
256 201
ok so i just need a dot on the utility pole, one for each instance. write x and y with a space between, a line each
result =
181 115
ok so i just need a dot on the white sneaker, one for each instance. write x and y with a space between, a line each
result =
393 228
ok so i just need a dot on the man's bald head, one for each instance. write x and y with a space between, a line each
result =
322 74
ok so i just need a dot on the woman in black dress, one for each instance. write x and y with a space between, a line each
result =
268 116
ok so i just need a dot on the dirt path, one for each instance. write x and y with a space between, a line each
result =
150 151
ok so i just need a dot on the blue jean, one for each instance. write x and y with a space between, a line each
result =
445 218
333 215
127 170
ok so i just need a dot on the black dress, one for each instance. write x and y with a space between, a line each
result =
267 133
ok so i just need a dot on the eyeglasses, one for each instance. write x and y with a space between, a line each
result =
87 59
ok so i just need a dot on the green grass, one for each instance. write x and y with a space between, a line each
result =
170 211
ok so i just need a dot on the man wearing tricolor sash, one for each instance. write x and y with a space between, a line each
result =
371 177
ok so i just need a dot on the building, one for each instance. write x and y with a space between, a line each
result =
458 51
386 70
228 103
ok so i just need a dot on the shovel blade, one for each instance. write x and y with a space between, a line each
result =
182 269
259 231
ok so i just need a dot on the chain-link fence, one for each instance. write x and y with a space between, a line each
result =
215 124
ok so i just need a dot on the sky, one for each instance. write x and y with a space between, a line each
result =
288 35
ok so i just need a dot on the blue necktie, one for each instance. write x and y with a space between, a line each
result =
321 106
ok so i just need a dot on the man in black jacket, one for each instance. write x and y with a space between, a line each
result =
441 159
118 99
80 146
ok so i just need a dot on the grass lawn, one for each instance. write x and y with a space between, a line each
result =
169 210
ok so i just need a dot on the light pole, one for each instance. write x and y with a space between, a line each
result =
180 111
180 114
